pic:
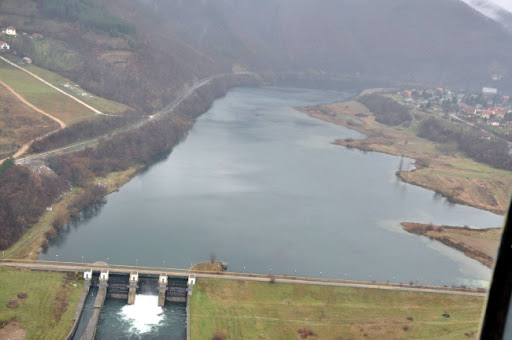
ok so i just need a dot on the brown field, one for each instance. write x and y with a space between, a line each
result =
479 244
438 167
19 123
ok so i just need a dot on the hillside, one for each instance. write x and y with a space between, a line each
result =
167 44
436 41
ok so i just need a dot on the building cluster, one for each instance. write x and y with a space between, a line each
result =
488 107
11 31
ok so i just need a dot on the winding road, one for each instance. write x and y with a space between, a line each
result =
39 158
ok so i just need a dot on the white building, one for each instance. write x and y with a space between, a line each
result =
134 277
163 278
88 274
10 30
489 91
192 280
4 46
104 275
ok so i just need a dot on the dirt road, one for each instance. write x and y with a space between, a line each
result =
25 147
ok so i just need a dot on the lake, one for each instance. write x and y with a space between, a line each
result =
260 185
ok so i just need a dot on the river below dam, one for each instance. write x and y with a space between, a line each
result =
259 184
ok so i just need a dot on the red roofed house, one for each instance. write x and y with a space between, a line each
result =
4 46
487 113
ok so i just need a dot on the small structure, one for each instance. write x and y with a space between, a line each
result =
191 280
27 60
163 279
489 91
49 209
88 274
132 287
4 46
104 275
9 30
162 288
134 276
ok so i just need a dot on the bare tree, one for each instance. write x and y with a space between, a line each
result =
213 257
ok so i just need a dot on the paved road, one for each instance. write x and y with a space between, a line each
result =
39 158
122 269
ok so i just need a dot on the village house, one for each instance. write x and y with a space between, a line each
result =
489 91
9 30
4 46
38 35
468 109
27 60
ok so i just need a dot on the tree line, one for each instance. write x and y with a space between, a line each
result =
24 196
83 131
386 110
90 16
474 143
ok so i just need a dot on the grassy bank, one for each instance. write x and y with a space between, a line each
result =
479 244
439 167
256 310
47 311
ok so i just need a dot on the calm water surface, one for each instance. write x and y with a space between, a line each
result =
259 184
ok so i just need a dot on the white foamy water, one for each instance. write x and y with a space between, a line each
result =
144 315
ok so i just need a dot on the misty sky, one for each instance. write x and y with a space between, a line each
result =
482 5
507 4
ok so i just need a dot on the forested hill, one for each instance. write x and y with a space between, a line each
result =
140 52
443 41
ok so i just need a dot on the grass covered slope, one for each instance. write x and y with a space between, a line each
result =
47 311
43 96
257 310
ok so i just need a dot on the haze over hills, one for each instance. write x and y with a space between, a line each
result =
498 10
444 42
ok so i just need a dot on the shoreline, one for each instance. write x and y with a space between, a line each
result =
378 141
32 243
478 244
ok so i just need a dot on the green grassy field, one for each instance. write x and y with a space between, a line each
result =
44 97
256 310
47 312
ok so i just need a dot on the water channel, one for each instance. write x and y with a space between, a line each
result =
259 184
